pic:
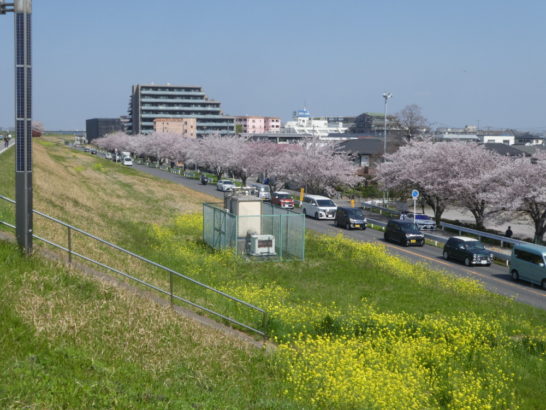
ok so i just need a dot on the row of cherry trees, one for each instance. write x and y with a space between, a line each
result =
312 165
468 174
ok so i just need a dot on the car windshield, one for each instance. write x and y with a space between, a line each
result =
284 196
410 228
325 202
355 213
228 182
474 245
422 217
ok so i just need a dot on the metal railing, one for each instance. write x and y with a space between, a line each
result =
172 273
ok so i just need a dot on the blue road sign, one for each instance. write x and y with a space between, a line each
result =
415 194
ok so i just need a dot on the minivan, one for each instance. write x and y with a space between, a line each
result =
262 191
319 207
350 218
527 263
404 232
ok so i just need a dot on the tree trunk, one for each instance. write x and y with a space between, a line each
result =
437 207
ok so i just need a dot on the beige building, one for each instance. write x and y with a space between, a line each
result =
181 126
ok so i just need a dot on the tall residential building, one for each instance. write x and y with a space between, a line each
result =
250 124
149 102
181 126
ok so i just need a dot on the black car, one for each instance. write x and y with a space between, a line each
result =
404 232
467 250
350 218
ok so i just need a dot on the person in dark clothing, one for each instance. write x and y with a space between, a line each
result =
508 233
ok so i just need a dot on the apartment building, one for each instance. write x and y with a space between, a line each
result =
149 102
257 125
181 126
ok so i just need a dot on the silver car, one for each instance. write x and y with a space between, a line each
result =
422 221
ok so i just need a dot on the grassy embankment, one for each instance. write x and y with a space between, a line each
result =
357 328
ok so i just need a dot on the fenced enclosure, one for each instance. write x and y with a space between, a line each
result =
281 231
105 256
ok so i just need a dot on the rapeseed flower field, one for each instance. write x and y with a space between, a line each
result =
349 351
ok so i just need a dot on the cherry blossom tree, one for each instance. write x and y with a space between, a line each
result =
417 165
520 185
321 169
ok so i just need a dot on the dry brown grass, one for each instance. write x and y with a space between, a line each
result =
78 187
116 323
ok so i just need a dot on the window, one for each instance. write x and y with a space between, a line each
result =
528 256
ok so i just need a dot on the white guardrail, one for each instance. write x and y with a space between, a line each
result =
437 239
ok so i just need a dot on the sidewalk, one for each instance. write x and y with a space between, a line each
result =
4 148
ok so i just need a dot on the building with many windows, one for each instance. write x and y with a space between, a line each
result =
149 102
181 126
257 125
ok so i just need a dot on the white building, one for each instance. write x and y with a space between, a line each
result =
498 138
302 123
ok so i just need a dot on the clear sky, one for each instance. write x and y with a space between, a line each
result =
461 61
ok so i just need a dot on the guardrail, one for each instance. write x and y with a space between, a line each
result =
172 273
382 210
442 239
481 234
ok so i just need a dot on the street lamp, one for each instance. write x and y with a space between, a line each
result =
386 96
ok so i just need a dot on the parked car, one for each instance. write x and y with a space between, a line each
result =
350 218
225 185
468 250
127 161
319 207
527 262
262 191
108 155
422 221
282 199
404 232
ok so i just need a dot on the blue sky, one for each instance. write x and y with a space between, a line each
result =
462 62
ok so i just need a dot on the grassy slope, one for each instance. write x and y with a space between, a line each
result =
76 343
124 206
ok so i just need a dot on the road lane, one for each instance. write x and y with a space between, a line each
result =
495 277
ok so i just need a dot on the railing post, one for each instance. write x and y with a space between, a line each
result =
171 287
69 245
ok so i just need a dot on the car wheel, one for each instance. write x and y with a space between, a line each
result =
446 256
316 215
467 262
543 284
363 228
405 243
515 275
304 211
348 226
336 224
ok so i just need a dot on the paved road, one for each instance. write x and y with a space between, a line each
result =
494 277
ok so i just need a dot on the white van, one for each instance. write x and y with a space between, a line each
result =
262 191
319 207
527 262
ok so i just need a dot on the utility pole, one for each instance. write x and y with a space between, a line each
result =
23 120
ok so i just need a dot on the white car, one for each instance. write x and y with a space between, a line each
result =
108 155
225 185
127 161
422 221
319 207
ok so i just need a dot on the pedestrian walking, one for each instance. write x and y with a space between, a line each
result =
508 232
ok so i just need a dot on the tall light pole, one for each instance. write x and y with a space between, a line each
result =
386 96
23 120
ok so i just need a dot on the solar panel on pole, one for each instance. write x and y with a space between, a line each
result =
23 124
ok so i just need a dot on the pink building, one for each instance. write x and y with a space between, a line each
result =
257 125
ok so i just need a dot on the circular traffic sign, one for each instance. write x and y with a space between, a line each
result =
415 194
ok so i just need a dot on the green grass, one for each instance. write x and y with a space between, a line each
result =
96 361
342 289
